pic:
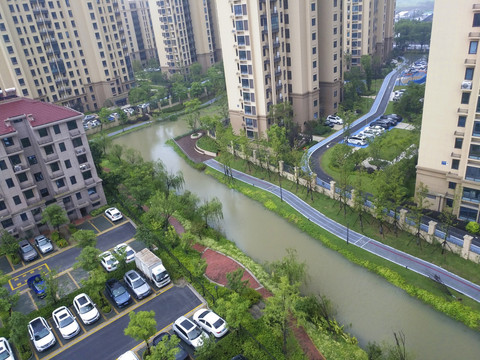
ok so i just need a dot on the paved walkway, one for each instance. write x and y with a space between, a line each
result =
375 247
218 265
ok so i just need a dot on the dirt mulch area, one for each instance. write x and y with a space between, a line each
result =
309 349
187 144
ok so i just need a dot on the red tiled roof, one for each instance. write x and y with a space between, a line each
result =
42 112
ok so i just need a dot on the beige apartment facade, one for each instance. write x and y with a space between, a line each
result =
72 53
368 29
185 33
139 31
44 159
278 51
449 153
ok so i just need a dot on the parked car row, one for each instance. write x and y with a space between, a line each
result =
28 252
376 128
108 258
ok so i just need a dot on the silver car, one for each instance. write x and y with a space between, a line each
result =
137 284
27 252
43 244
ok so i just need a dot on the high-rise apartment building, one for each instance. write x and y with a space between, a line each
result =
72 53
368 29
44 159
449 153
139 30
276 51
185 33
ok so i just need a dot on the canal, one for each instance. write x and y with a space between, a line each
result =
371 308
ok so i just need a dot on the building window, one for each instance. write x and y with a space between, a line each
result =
25 142
461 121
72 125
473 47
452 185
48 150
2 206
314 50
7 223
32 159
314 65
458 143
314 36
8 141
476 20
38 176
474 151
44 192
471 195
10 183
473 173
73 180
3 165
29 194
455 164
56 129
465 98
62 147
16 200
22 177
43 132
312 6
449 202
467 214
314 77
60 183
24 217
78 195
54 167
469 74
77 142
314 21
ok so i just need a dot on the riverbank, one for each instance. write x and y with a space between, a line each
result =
428 291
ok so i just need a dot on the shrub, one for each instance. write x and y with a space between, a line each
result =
252 296
99 211
72 229
55 236
62 243
106 309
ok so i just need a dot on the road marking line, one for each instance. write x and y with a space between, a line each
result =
110 221
90 222
81 326
10 263
33 301
35 353
111 228
71 277
98 328
58 338
19 279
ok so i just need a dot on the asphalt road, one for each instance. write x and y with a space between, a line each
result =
110 342
64 260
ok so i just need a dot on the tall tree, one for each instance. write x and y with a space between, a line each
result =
52 286
192 109
9 244
85 238
289 267
366 61
165 350
211 210
142 326
103 115
95 283
277 140
420 203
396 193
7 299
161 209
54 215
18 331
88 259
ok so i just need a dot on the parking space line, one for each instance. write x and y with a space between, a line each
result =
80 323
71 277
31 298
100 327
111 228
10 263
21 279
94 227
54 334
34 351
110 221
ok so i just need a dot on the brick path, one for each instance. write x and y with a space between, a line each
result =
187 144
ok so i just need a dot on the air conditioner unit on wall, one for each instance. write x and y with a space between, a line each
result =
467 85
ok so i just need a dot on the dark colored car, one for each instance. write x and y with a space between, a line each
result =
181 354
37 285
396 117
239 357
391 121
329 123
118 293
381 123
27 252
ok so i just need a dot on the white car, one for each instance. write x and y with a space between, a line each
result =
123 248
376 128
86 309
65 322
334 119
6 352
357 140
137 284
129 355
41 334
369 134
113 214
108 261
189 332
211 322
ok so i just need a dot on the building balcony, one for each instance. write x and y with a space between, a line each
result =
33 200
276 44
56 175
89 181
462 111
80 151
277 59
14 149
19 168
50 158
84 167
278 72
278 86
45 140
470 61
74 133
474 35
94 196
27 185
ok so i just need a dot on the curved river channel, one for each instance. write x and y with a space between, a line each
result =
373 308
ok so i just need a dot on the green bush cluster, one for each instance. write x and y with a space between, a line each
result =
99 211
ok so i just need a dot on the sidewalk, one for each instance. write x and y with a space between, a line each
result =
354 238
218 265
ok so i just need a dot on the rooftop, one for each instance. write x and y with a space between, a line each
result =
42 112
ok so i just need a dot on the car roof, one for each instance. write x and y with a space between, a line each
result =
82 299
37 324
132 274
